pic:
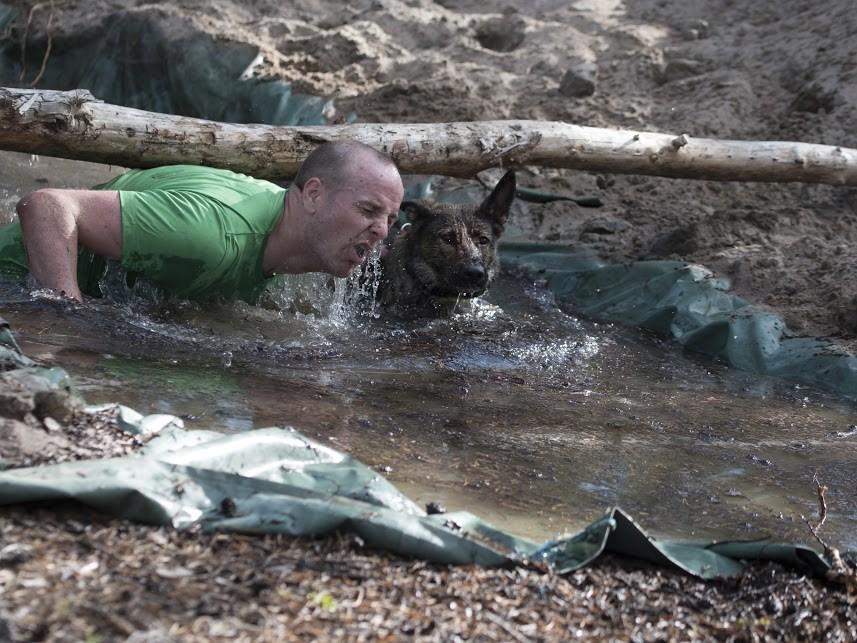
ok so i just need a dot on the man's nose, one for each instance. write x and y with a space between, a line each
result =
380 229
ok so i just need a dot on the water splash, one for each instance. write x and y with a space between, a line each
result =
358 297
305 296
114 286
558 354
8 200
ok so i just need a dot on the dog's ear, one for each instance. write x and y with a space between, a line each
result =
496 207
414 211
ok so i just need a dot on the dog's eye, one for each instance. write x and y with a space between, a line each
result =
483 240
449 237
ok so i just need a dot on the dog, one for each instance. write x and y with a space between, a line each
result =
443 253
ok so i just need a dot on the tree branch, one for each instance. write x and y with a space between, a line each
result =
75 125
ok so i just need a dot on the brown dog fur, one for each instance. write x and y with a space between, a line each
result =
445 253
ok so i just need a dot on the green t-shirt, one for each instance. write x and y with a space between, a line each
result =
195 232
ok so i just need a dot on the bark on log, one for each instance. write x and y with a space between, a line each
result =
75 125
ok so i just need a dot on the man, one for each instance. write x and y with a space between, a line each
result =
202 233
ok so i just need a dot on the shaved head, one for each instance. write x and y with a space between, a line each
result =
334 162
343 201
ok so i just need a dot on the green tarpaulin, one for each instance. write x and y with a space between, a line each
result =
275 480
149 60
7 15
687 303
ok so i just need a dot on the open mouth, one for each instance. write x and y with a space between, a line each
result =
362 250
457 294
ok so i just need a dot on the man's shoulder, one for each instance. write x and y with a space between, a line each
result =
198 178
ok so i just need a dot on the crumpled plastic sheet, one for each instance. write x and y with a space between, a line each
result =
7 15
276 480
148 61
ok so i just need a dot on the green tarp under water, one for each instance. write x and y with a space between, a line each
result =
275 480
686 302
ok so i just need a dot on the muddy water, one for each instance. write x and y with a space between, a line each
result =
514 410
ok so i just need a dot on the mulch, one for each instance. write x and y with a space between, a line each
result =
70 574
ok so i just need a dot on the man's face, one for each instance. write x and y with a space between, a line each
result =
352 218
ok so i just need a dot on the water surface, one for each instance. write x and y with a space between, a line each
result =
532 418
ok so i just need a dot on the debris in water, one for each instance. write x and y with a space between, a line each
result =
228 507
850 433
435 508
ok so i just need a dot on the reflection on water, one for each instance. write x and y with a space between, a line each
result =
514 410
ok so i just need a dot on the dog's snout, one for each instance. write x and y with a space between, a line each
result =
473 272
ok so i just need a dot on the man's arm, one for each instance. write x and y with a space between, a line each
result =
54 222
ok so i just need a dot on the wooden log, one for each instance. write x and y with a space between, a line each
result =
76 125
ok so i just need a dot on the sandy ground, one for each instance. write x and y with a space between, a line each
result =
719 68
763 70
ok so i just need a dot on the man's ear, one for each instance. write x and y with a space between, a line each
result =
415 211
496 207
311 194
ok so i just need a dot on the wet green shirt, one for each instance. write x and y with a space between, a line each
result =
195 232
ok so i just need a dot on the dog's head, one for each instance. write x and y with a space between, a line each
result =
450 250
